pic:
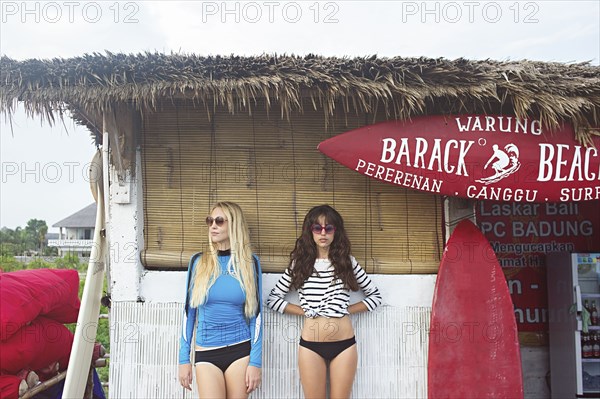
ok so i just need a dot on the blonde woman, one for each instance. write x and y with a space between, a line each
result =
223 299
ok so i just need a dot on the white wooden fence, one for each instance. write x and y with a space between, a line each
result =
392 347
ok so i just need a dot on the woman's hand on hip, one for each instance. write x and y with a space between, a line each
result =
185 376
253 378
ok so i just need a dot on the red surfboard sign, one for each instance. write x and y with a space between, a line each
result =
500 158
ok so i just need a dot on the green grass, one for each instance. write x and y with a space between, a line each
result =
8 263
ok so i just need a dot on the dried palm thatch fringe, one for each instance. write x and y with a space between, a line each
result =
92 84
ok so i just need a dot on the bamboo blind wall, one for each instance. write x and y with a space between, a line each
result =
273 170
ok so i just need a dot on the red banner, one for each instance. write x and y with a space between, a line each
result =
521 235
488 157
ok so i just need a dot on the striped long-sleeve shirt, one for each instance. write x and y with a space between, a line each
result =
321 295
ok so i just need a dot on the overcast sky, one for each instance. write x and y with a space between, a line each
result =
44 168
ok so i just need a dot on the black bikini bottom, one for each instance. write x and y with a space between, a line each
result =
328 350
223 357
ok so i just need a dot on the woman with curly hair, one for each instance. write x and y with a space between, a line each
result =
323 271
223 299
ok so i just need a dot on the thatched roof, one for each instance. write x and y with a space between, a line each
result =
403 87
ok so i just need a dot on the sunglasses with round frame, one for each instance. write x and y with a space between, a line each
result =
318 228
219 220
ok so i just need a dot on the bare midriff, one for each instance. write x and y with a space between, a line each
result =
327 329
210 348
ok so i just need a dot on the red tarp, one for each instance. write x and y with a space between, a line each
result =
36 346
27 294
9 386
34 304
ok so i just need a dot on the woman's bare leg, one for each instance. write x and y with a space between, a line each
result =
342 370
313 373
210 380
235 379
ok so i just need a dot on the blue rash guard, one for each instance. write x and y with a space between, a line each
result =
221 318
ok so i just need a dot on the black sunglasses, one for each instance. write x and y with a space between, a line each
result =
219 220
318 229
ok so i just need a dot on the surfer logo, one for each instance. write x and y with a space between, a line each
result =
505 163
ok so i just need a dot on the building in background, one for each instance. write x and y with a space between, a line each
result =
76 232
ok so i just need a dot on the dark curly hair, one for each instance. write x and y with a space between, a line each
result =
303 257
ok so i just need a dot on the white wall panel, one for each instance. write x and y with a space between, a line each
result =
392 348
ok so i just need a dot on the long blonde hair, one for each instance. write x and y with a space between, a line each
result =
208 268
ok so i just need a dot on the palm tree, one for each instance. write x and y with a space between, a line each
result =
36 230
